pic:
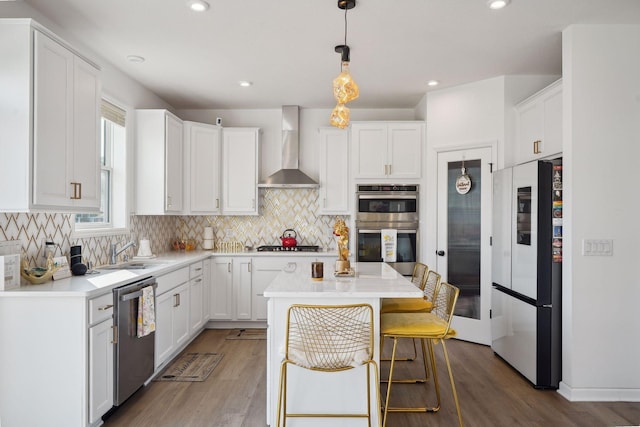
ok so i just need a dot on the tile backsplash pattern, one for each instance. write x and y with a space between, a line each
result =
280 209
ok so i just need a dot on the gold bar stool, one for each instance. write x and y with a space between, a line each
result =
430 283
402 305
434 327
329 338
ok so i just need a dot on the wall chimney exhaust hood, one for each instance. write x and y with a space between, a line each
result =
289 176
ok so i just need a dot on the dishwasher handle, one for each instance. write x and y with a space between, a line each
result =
134 295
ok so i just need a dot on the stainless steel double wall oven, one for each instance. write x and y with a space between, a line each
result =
387 206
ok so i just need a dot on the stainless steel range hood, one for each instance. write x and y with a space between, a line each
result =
289 176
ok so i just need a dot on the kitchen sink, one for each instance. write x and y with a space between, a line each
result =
132 265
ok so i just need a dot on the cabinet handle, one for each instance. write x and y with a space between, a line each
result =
217 203
168 201
114 334
253 203
228 267
389 170
249 267
198 280
77 191
176 300
105 307
536 147
198 269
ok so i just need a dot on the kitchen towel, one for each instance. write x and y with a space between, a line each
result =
389 244
146 312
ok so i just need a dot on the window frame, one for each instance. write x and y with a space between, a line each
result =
107 132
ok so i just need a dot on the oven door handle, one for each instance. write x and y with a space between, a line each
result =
386 197
400 230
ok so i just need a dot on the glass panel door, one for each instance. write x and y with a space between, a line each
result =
464 229
463 262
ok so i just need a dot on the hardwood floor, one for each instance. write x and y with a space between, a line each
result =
490 392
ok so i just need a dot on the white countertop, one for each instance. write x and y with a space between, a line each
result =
371 280
92 285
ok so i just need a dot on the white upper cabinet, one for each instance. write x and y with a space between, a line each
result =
334 171
159 163
50 130
539 125
202 169
240 171
387 149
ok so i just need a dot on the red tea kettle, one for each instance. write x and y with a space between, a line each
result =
287 240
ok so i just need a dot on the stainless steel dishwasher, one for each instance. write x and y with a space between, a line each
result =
134 356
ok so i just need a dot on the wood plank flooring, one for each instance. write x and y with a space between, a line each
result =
491 394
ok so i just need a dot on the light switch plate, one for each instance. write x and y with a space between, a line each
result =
597 247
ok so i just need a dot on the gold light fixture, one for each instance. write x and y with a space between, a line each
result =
345 88
340 116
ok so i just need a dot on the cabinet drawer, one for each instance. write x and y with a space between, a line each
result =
100 308
171 280
195 269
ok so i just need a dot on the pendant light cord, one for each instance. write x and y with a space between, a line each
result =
345 25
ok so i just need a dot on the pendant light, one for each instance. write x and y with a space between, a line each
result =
345 88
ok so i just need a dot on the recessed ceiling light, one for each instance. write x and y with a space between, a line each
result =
497 4
433 83
245 83
198 5
135 58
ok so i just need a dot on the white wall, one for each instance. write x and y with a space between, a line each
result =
464 115
474 114
270 121
601 96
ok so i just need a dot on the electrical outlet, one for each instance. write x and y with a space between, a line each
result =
597 247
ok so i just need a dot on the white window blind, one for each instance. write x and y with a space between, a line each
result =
113 113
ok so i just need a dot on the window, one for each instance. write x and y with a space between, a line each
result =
112 174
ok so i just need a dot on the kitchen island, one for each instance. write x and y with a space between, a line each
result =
333 392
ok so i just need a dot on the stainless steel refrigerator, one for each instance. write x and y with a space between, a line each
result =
526 304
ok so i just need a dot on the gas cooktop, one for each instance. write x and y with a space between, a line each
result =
288 248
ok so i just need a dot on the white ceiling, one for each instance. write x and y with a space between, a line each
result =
286 47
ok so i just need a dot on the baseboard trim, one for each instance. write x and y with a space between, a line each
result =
599 394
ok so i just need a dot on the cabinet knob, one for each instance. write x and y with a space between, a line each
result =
440 253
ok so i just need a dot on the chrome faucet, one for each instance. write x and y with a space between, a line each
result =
115 252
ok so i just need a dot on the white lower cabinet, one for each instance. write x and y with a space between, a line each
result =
196 296
100 369
206 296
238 283
101 342
242 288
221 289
172 314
